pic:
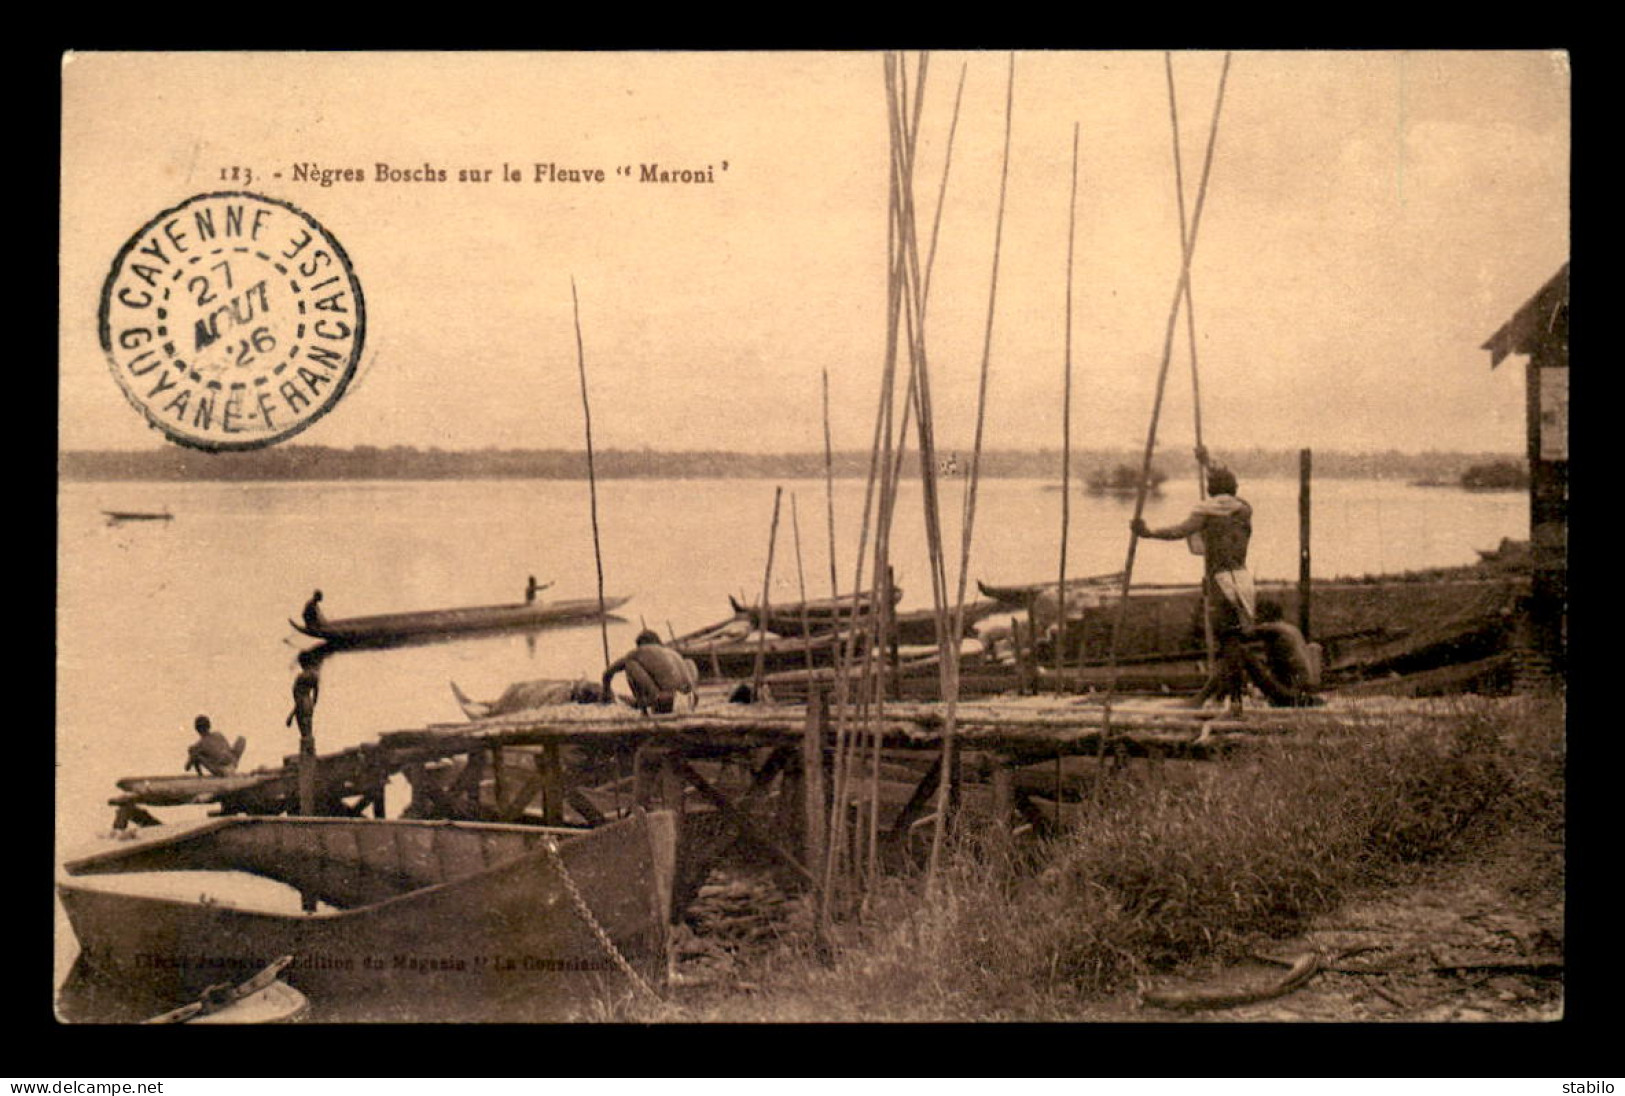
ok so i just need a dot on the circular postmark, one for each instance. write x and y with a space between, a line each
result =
232 321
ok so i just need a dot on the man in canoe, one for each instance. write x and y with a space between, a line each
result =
313 610
532 589
211 752
656 673
1219 529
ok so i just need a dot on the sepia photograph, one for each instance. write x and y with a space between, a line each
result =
881 536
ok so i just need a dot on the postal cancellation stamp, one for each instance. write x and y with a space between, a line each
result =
232 321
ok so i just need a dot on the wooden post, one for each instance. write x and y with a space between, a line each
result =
499 779
552 773
812 783
307 775
672 785
641 763
1004 775
1304 464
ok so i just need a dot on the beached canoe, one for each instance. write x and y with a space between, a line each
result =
413 921
1018 596
824 612
388 627
915 627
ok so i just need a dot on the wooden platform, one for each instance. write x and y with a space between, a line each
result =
758 778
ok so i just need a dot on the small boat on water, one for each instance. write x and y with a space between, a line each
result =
1124 480
386 628
115 517
412 921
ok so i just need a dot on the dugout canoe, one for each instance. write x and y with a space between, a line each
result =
414 921
915 627
824 613
1019 596
396 627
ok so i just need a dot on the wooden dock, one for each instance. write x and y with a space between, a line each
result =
753 777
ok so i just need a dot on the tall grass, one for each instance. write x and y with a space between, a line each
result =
1179 862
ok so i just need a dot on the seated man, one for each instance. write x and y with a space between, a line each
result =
656 673
1290 672
211 753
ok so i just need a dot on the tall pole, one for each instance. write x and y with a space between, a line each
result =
1066 428
1304 464
592 479
767 581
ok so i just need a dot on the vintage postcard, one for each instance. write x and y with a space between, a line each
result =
852 536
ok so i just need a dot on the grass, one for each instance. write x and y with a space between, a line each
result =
1177 863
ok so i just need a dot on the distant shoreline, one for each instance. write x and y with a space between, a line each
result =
310 463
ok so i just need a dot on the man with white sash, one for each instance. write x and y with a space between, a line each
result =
1218 529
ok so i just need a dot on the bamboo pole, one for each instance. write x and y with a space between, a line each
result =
1190 329
1066 423
767 579
950 642
592 478
829 494
1305 586
801 585
1189 251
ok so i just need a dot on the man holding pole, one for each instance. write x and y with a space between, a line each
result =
1219 529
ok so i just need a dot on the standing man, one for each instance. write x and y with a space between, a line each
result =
211 752
532 589
1219 529
306 688
656 673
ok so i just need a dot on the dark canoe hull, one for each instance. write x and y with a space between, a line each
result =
1019 596
917 627
129 515
433 921
824 612
1380 626
735 659
1384 631
403 626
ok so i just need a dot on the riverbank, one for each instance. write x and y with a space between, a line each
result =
1421 864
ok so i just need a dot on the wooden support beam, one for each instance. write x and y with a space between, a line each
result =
585 807
498 777
551 769
915 806
747 827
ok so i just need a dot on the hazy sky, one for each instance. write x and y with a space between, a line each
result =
1372 218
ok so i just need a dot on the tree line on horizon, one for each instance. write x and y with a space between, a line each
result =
405 462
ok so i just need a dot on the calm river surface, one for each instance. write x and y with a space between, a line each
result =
160 621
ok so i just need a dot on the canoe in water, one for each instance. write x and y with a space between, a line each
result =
387 627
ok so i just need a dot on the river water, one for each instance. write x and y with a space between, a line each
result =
158 622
